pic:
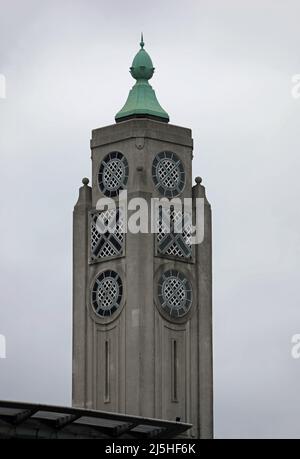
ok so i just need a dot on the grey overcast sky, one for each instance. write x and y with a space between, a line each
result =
224 69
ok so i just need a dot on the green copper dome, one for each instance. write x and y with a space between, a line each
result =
142 101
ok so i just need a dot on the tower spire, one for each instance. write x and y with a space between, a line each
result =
142 44
142 101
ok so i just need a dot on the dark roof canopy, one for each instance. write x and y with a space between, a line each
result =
28 420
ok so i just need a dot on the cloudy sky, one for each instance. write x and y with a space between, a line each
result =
224 69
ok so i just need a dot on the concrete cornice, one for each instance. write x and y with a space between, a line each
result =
142 128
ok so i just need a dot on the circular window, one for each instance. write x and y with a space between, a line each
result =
168 174
174 293
107 293
113 174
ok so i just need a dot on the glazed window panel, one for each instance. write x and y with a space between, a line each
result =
106 294
174 232
175 293
107 234
168 174
113 174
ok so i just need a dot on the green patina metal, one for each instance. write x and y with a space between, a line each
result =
142 101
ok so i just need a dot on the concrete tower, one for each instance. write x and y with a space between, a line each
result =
142 301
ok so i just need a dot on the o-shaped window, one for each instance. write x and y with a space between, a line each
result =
168 174
174 293
106 294
113 174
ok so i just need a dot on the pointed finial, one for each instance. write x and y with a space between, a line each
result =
142 99
142 44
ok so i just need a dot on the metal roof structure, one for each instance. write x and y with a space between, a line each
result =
142 100
31 420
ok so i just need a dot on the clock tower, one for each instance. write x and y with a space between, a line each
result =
142 293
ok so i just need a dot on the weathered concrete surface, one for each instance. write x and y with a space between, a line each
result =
139 337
